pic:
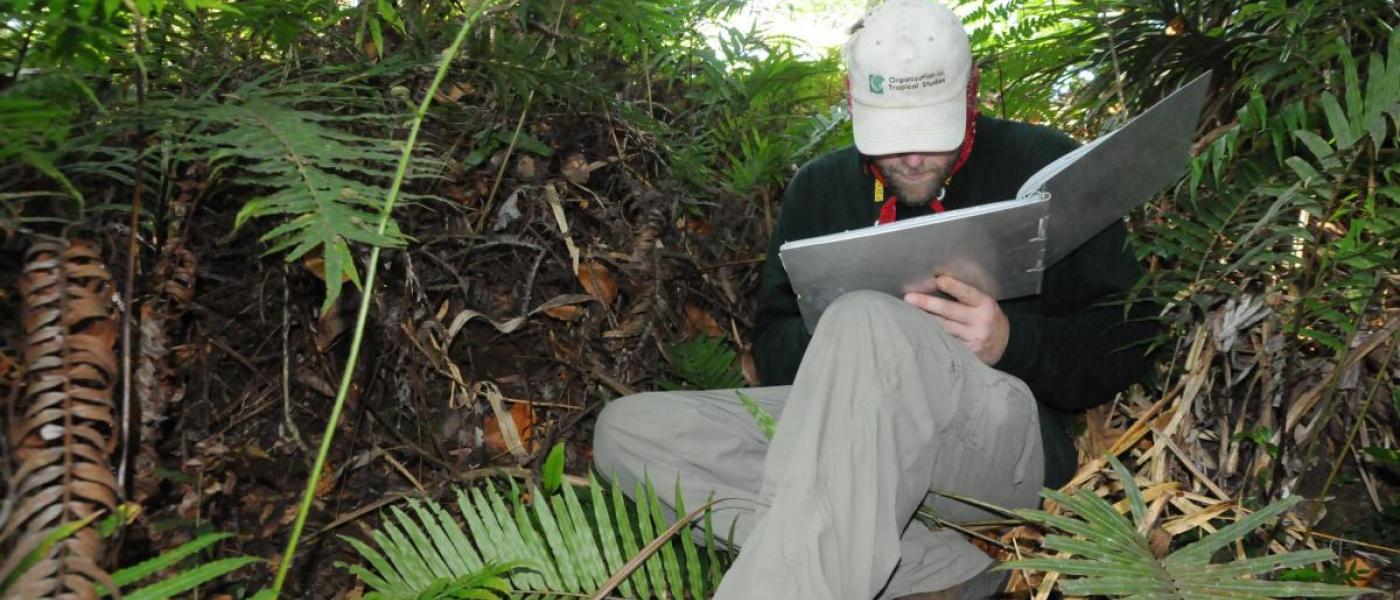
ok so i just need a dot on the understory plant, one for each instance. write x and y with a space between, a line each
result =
1112 556
541 543
168 575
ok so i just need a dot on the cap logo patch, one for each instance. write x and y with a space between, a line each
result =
877 84
926 80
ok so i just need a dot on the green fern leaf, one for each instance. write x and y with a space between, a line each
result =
705 362
169 558
188 580
326 182
766 423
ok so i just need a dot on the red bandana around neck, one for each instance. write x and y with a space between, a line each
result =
889 202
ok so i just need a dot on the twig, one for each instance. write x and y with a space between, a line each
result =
287 365
234 354
1310 398
406 474
133 251
1360 420
1190 465
461 282
605 379
984 506
392 498
505 162
970 533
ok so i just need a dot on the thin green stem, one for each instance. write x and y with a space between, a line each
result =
348 374
1355 427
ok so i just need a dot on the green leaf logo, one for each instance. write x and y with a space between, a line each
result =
877 84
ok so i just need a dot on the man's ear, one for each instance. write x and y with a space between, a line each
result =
848 93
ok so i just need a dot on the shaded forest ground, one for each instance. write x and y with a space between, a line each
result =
589 197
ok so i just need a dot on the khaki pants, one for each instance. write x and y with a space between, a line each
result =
885 407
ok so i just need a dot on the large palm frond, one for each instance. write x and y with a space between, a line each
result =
1114 559
552 545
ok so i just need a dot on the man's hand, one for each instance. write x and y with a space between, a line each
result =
971 316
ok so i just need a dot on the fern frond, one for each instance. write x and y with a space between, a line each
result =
705 362
32 127
325 181
549 546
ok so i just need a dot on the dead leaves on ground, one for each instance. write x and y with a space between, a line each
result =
597 281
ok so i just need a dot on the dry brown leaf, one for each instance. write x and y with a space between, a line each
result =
524 421
528 168
317 266
454 92
1023 583
329 327
1024 535
694 225
1160 543
7 364
1365 571
991 550
576 168
1176 27
597 281
747 366
565 313
698 320
326 482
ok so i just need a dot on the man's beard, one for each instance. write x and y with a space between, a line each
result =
921 195
917 194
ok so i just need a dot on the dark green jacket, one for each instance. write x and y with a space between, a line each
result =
1072 349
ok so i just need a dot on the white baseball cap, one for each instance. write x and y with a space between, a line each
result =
909 63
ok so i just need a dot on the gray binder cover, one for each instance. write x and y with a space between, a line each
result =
1002 248
995 247
1118 172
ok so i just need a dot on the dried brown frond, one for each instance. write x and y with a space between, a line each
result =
65 428
157 385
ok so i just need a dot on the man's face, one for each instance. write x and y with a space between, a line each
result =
917 177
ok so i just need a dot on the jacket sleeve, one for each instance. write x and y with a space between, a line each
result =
780 337
1086 344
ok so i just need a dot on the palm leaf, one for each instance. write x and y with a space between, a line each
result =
1116 560
548 546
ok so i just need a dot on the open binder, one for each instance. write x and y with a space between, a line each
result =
1003 248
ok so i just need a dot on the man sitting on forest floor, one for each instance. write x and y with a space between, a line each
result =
891 398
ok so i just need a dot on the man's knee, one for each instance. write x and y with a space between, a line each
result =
861 311
626 426
862 303
886 317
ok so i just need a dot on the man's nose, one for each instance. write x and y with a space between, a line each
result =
914 160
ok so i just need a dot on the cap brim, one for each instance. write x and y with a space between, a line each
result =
934 128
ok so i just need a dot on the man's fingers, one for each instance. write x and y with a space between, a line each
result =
940 306
956 329
965 293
